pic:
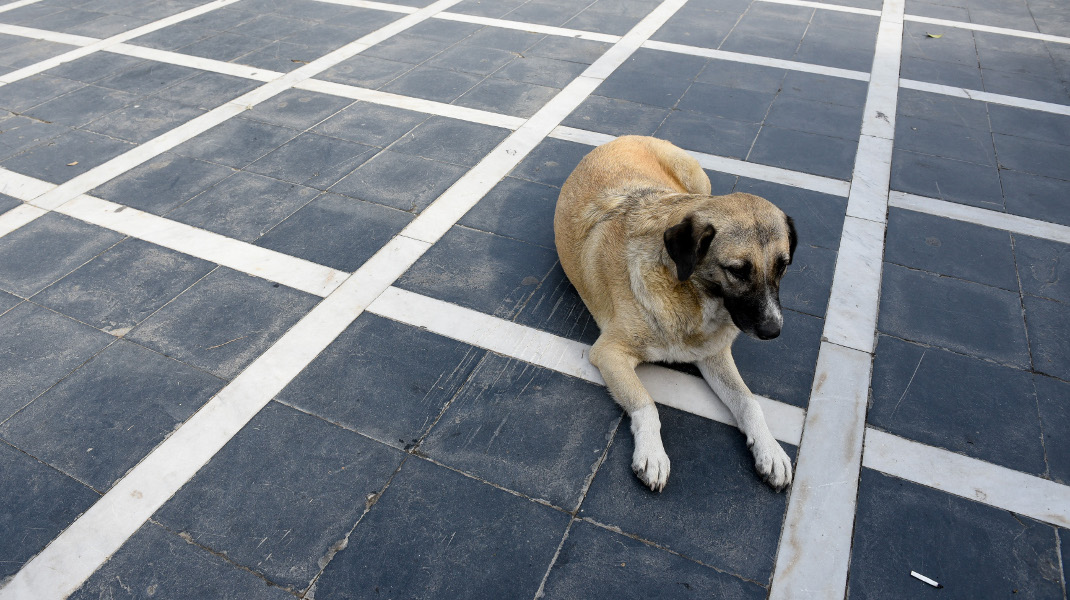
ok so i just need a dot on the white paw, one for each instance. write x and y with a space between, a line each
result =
772 463
649 461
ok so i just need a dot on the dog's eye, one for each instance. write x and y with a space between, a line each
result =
740 272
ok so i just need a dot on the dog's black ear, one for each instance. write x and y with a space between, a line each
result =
793 239
686 246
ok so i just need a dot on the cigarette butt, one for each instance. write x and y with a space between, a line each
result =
917 575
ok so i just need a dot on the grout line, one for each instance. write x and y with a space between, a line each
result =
111 41
86 544
981 216
815 543
989 29
825 6
947 90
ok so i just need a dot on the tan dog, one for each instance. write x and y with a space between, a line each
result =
671 273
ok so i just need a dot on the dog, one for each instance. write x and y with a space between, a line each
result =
671 273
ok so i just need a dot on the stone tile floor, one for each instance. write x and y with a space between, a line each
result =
198 399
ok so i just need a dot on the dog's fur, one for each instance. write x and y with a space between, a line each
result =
671 273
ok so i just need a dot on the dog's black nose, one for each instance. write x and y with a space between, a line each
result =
767 330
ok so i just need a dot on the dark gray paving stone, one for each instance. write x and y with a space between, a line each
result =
695 26
806 152
472 59
7 203
43 251
371 124
271 27
824 88
450 140
54 344
557 308
782 369
1032 124
965 405
504 39
518 209
297 109
148 78
208 90
366 71
224 18
1036 197
1048 321
407 48
99 422
443 31
162 183
430 83
806 284
833 120
81 106
236 142
225 46
508 97
26 14
144 120
1033 156
962 316
715 508
742 76
481 271
124 285
603 19
1053 400
938 10
175 36
616 117
94 67
29 92
717 101
62 21
20 133
598 563
712 135
542 71
519 398
486 8
313 160
571 49
348 231
401 181
652 77
39 503
962 112
951 248
838 47
223 322
435 532
244 206
158 563
943 73
946 179
551 162
358 388
31 52
52 160
1042 266
721 183
941 139
753 40
953 46
303 485
544 12
970 548
1036 63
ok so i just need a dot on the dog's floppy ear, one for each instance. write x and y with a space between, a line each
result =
793 239
686 246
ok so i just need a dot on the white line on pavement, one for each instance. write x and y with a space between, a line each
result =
981 216
989 29
947 90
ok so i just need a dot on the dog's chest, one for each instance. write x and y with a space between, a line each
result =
716 334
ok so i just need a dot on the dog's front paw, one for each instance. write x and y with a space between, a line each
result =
649 461
772 463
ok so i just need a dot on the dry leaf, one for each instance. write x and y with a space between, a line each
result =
935 35
72 164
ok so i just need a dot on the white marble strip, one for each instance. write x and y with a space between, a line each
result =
20 187
383 6
753 59
989 29
18 217
724 164
195 62
530 27
980 216
156 146
46 35
947 90
967 477
872 174
77 53
668 387
19 4
826 6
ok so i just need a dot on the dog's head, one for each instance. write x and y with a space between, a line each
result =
736 249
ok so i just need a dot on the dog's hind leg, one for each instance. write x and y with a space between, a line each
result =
617 366
770 460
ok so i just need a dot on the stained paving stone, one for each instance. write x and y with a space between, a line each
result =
959 315
236 142
471 59
951 248
794 353
281 517
519 398
806 152
824 88
570 49
313 160
144 120
1031 124
815 117
26 93
429 83
960 403
946 179
67 155
148 78
348 231
366 71
557 308
297 109
970 548
46 249
8 301
1048 321
598 563
371 124
122 286
808 280
1032 156
207 90
697 25
711 135
223 322
39 502
225 46
508 97
616 117
539 70
942 139
551 162
947 109
101 420
407 48
31 52
439 138
244 206
20 133
1054 409
1042 265
159 563
94 67
481 271
436 532
163 183
714 509
717 101
401 181
518 209
1036 197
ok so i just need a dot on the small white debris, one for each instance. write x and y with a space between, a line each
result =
917 575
